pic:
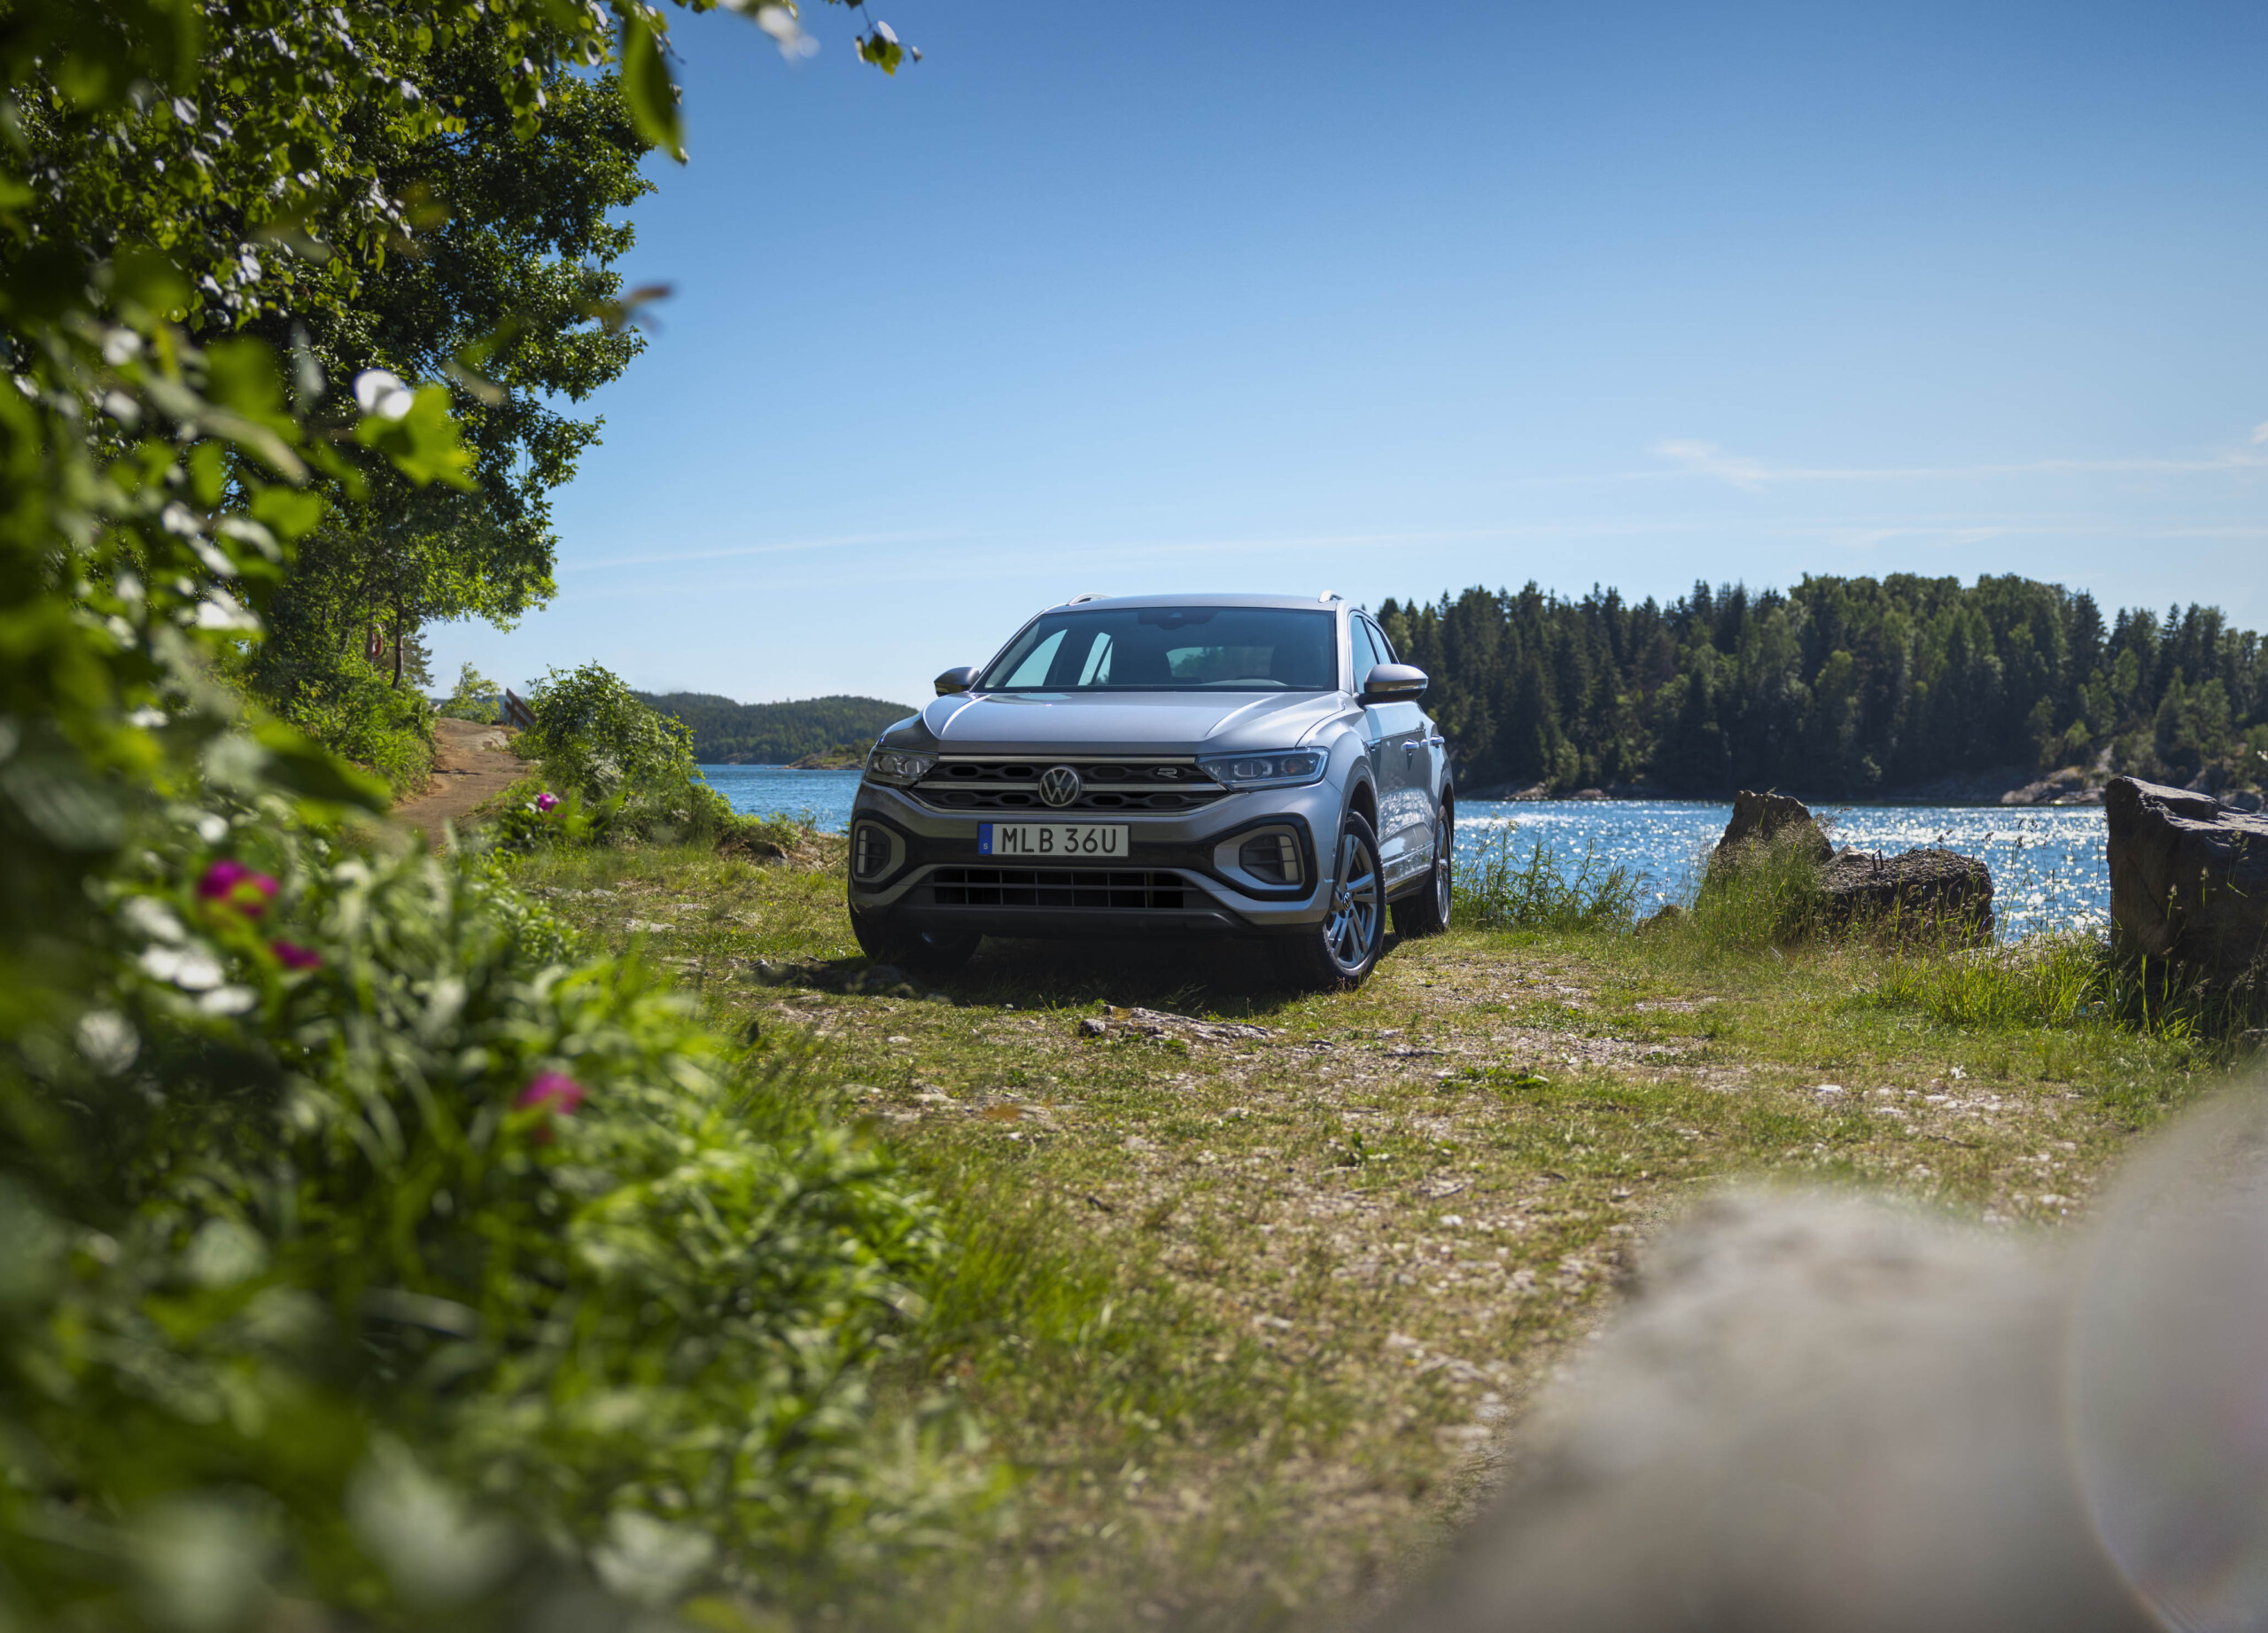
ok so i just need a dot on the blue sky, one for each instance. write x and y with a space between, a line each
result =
1391 300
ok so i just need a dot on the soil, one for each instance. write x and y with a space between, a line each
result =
473 764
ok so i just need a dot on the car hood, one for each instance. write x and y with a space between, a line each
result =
1128 722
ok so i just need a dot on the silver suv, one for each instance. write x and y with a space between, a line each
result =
1251 766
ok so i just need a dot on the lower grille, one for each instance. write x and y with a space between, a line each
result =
1057 887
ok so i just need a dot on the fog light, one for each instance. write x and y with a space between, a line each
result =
869 852
1272 857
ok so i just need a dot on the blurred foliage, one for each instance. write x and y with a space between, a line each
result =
1837 686
364 1258
774 734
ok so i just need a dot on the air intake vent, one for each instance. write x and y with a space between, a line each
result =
870 851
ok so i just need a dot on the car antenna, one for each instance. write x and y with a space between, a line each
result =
1090 596
1331 595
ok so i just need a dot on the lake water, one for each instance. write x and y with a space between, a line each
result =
2048 865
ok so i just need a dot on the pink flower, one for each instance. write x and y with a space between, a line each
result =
553 1093
230 884
546 801
292 955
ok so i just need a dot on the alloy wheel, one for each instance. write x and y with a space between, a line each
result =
1357 900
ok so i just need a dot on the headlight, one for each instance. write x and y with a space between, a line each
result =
895 766
1263 771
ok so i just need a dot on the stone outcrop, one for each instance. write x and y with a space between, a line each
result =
2188 880
1926 894
1768 821
2067 787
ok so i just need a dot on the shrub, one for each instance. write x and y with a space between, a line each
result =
632 768
1495 891
369 1239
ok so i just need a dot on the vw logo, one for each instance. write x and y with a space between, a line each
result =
1060 785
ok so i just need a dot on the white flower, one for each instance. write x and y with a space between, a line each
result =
191 968
108 1041
381 392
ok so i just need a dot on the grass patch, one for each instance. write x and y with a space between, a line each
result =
1244 1314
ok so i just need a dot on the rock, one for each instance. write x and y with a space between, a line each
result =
1770 819
1092 1028
1821 1415
1588 794
2063 788
1670 913
2188 880
2244 799
1924 893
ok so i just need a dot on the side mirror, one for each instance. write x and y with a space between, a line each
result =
1395 683
956 681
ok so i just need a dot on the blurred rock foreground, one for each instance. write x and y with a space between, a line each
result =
1823 1413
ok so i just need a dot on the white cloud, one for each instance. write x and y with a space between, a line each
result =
1706 459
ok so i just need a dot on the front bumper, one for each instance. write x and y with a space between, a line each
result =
1171 882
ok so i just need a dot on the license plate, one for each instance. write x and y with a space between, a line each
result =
1085 840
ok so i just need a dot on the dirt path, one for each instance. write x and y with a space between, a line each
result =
473 764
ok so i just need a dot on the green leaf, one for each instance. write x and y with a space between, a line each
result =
424 444
242 374
301 767
647 86
287 512
143 277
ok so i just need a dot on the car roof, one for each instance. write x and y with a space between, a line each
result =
1313 603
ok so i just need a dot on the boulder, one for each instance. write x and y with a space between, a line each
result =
1937 895
1768 819
2189 879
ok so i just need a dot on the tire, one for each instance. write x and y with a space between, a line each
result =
1427 911
1339 954
933 953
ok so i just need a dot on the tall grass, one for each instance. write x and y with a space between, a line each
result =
1496 889
1772 898
2043 981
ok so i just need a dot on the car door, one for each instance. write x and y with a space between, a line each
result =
1395 732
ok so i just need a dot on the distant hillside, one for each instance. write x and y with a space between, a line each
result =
729 734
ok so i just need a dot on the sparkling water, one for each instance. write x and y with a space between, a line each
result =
2048 862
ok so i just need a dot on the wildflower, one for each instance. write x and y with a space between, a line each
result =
292 955
230 884
546 801
553 1092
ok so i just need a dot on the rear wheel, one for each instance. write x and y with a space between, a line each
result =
933 953
1427 911
1336 955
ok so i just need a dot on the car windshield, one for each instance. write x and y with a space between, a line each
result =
1170 649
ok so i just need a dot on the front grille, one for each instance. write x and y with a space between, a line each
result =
1057 887
1110 785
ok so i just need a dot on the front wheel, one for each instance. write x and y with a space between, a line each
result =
933 953
1427 913
1336 955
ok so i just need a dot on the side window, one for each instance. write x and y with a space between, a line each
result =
1096 671
1386 647
1365 649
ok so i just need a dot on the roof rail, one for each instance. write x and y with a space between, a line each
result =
1331 595
1090 596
